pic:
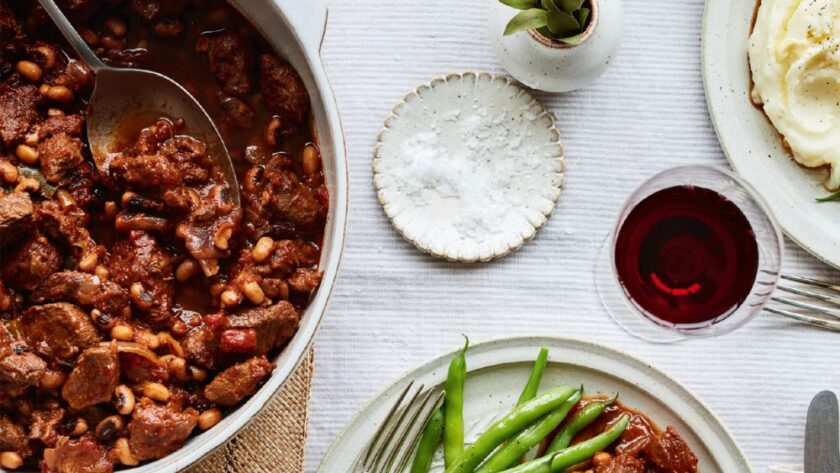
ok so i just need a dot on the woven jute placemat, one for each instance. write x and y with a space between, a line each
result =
274 441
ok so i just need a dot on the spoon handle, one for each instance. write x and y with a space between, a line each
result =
72 36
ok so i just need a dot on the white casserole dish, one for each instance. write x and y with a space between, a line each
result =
295 29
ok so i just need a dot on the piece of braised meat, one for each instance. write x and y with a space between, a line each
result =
15 209
59 156
93 380
59 330
18 112
83 289
156 431
621 464
71 125
239 381
31 263
279 193
45 423
12 437
152 9
80 455
671 454
66 224
141 265
282 88
230 58
253 332
20 372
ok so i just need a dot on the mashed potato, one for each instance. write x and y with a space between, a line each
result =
795 61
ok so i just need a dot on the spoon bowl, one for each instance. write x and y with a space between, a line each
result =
124 95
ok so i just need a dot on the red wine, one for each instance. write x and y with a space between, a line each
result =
687 255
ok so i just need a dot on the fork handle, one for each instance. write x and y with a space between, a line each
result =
72 36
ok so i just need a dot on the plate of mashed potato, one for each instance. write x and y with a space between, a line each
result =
772 75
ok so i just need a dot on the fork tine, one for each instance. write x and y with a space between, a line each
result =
812 282
373 445
804 305
415 437
374 463
826 324
404 430
812 294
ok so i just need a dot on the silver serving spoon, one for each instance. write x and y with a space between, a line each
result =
120 93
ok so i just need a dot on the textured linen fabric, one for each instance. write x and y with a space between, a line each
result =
395 308
274 441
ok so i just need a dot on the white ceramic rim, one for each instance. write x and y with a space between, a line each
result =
394 115
717 24
709 419
306 21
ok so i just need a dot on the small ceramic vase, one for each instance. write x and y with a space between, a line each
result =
552 66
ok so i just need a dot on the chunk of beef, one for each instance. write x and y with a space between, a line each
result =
12 437
81 455
282 195
201 345
213 216
274 325
59 330
19 372
141 259
230 58
239 381
30 263
156 431
305 280
621 464
282 89
671 454
15 208
59 156
638 435
93 380
84 289
11 38
151 9
66 124
79 10
67 224
138 369
45 423
144 172
238 113
18 112
189 157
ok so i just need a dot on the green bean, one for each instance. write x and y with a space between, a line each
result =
509 425
558 462
508 455
428 443
581 420
453 408
534 380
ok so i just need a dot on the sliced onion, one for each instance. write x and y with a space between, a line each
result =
135 349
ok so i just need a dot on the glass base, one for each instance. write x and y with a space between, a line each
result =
620 309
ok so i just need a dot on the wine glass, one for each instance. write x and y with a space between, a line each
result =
703 230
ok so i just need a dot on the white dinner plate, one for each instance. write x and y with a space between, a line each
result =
752 144
499 369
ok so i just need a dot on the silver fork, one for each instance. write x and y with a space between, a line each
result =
400 431
825 315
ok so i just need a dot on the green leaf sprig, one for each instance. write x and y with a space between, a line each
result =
560 20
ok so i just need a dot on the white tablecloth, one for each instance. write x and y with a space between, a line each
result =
394 308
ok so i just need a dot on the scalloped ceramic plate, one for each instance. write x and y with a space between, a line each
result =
499 369
468 167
